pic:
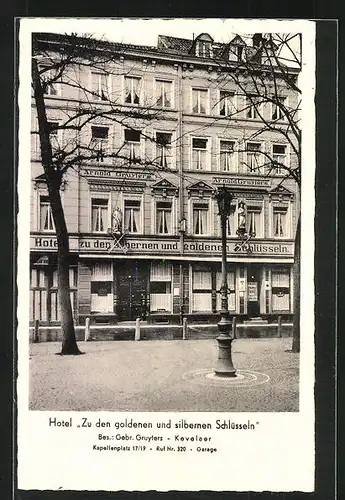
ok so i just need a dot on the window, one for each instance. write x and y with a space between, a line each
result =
254 221
200 218
163 149
199 154
99 141
132 145
279 158
99 215
231 224
202 289
280 222
160 287
51 89
100 86
227 156
254 157
54 133
199 101
132 90
163 217
226 103
236 53
164 93
277 111
46 215
203 49
252 106
133 216
280 290
102 287
38 294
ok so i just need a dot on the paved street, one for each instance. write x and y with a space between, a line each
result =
156 376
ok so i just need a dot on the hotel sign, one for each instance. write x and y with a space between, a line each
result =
145 246
118 174
242 182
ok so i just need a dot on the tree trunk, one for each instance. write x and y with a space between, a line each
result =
297 290
53 179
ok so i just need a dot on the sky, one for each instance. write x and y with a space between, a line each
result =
145 31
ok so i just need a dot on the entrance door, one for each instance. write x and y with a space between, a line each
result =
253 290
132 291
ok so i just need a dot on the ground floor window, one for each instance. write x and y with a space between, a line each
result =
280 290
102 299
201 289
160 287
44 298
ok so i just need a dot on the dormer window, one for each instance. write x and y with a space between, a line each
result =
203 49
202 46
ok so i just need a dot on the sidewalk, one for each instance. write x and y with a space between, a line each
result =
160 376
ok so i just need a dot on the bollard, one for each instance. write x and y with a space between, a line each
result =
234 327
280 327
184 329
36 331
137 329
87 329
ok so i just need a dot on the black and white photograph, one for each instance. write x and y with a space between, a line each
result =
165 264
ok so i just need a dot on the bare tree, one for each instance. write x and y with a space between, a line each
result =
60 63
264 75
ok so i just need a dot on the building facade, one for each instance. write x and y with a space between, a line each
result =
143 222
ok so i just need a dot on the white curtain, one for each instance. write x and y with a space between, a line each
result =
102 303
46 223
202 302
280 302
280 279
102 271
279 223
160 272
160 301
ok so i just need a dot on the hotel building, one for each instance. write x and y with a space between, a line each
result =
145 240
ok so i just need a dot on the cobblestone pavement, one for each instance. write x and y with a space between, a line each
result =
160 375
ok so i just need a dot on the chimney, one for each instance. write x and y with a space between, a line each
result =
257 40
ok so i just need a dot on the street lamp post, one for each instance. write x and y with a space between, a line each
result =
224 367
